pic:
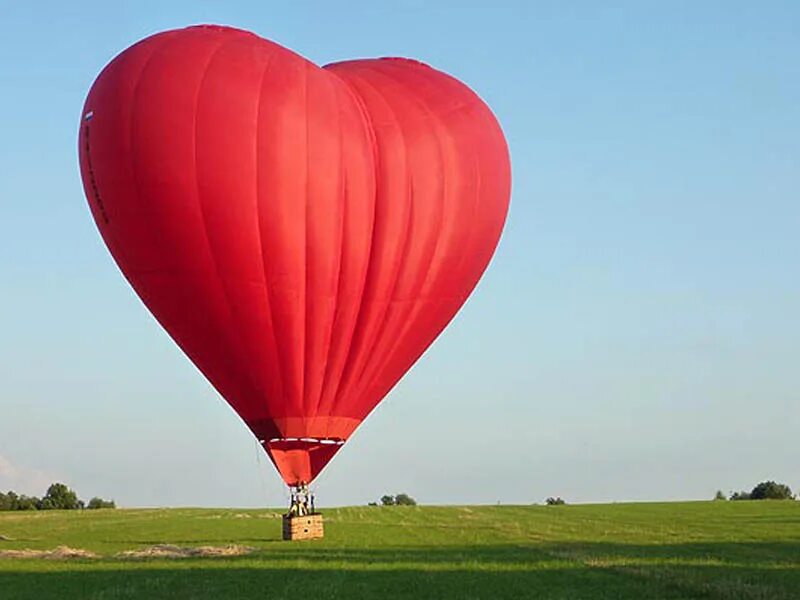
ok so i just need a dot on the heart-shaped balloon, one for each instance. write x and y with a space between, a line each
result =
303 233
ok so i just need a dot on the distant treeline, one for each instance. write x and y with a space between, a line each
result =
58 497
395 500
766 490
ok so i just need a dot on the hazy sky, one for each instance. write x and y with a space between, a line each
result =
635 338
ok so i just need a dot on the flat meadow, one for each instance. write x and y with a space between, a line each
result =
724 550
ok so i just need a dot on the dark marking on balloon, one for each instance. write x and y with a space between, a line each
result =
92 181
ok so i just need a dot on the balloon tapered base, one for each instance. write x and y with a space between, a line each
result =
308 527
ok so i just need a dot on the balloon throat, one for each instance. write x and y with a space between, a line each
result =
302 501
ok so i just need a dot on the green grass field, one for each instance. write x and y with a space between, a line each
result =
644 551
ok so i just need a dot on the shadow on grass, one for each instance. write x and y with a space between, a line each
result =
574 571
279 583
526 555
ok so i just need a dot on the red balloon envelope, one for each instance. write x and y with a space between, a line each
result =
303 233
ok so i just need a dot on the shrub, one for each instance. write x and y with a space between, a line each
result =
398 500
554 501
24 502
404 500
766 490
769 490
719 495
96 503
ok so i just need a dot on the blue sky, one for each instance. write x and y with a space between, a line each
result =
635 338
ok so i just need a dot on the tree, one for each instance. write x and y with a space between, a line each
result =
719 495
766 490
59 497
24 502
387 500
554 501
46 504
404 500
769 490
11 501
96 503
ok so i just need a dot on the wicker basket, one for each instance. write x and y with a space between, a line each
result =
308 527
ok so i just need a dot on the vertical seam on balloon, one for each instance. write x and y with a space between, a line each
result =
471 235
360 386
327 371
222 288
439 150
304 366
347 365
256 131
381 321
386 357
156 51
339 269
459 265
118 250
458 268
476 204
406 237
373 368
366 119
462 297
134 92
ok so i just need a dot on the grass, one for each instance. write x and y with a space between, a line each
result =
725 550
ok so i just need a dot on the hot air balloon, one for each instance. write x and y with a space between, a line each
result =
303 233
